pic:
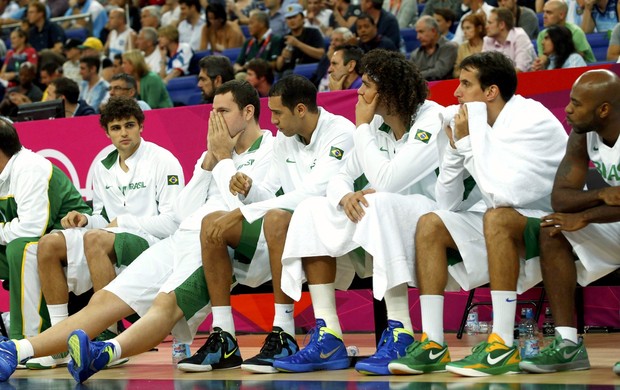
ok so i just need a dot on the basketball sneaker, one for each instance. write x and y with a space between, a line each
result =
48 362
8 358
617 368
278 344
394 341
560 355
422 357
87 357
219 352
325 351
491 357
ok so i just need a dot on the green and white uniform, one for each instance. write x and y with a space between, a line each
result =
34 196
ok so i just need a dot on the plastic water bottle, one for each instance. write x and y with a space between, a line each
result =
352 350
180 351
472 324
548 328
528 335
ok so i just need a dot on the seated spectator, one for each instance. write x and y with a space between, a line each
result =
220 33
599 15
304 45
214 71
68 90
260 76
262 43
239 11
43 33
123 84
369 37
340 36
152 89
345 70
192 24
117 65
57 8
504 37
474 30
406 11
147 43
7 8
92 47
71 67
276 12
98 15
317 16
431 5
525 17
48 72
475 7
150 16
613 51
387 25
445 18
344 14
93 88
559 48
175 56
436 55
20 52
25 92
170 13
133 21
121 37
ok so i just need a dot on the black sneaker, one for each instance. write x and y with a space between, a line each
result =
220 352
278 344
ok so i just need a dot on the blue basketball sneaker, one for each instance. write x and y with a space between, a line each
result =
393 344
325 351
8 358
87 357
278 344
220 352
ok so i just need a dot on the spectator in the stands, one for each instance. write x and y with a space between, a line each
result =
599 15
445 18
147 43
170 13
98 15
26 91
474 30
191 25
524 17
613 51
68 90
15 12
277 22
436 55
220 33
340 36
48 72
93 88
345 70
43 33
239 10
134 21
151 87
559 48
150 16
303 45
7 9
406 11
214 71
431 5
262 43
57 7
475 7
369 37
387 25
260 76
123 84
344 14
20 52
121 37
175 56
317 15
71 67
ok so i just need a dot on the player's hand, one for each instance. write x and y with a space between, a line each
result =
461 123
352 204
214 233
610 195
563 222
219 140
240 184
73 219
365 109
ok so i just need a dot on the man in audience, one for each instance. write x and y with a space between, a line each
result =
345 70
214 71
123 84
147 43
47 73
340 36
93 88
92 47
121 37
599 16
317 16
345 14
260 76
525 17
262 43
71 67
277 21
68 90
43 33
436 55
190 26
98 15
369 37
303 46
387 25
504 37
150 16
475 6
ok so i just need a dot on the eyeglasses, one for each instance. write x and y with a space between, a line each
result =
118 88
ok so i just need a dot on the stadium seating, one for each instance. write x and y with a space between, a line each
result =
181 89
193 63
409 35
306 70
599 43
232 54
77 33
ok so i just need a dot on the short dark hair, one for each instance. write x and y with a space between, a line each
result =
365 16
377 4
505 15
446 13
189 3
217 66
128 79
120 107
493 68
351 53
22 33
9 140
67 88
243 93
39 6
91 61
295 89
51 67
262 68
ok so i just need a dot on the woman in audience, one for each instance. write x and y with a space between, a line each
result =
219 33
559 48
473 27
152 89
20 52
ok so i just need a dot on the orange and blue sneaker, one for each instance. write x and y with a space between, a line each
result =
219 352
560 355
392 345
8 358
325 351
422 357
87 357
491 357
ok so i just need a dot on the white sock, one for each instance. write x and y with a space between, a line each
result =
504 310
24 349
284 318
324 304
117 350
58 313
397 303
568 333
223 318
432 317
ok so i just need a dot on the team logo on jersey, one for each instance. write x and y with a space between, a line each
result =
173 180
423 136
336 152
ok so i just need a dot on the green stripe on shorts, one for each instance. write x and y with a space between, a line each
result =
128 247
531 239
192 295
250 232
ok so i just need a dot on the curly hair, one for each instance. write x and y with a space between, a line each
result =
120 107
400 86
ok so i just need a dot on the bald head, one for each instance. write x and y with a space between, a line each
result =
554 12
602 85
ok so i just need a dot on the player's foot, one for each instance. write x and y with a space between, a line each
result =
325 351
219 352
394 341
491 357
422 357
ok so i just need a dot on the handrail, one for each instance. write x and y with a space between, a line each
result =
60 19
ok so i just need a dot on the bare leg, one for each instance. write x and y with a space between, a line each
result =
432 239
275 226
320 270
51 258
100 255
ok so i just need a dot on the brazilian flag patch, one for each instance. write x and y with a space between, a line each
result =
173 180
336 152
423 136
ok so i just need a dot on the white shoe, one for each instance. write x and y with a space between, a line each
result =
48 362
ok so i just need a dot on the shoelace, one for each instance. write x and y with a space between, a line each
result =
480 348
273 344
416 344
312 346
212 343
387 347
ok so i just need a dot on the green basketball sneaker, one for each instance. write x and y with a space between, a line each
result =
491 357
422 357
561 355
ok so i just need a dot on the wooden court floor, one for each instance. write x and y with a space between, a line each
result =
153 370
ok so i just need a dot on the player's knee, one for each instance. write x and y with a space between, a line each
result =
95 239
101 298
275 223
50 247
165 305
429 227
502 221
